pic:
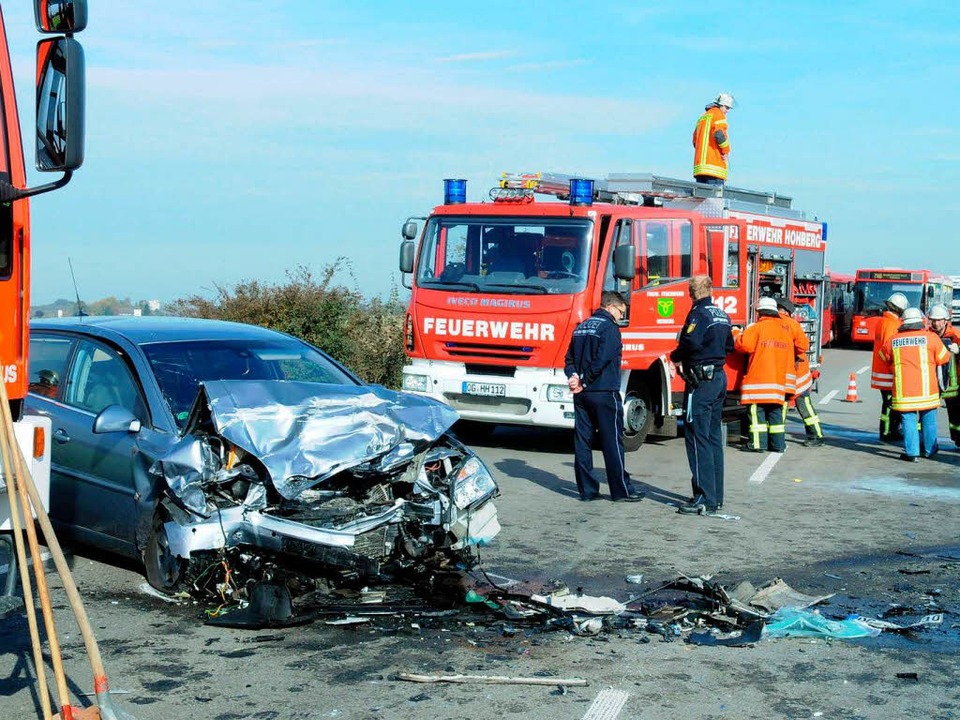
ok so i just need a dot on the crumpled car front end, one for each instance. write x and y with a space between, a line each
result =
351 483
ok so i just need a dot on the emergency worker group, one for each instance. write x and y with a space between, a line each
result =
913 367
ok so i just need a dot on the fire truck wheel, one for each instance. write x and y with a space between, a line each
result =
637 418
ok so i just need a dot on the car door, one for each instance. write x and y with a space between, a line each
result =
92 484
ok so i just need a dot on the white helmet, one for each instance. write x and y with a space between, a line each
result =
767 306
912 316
898 302
939 312
725 99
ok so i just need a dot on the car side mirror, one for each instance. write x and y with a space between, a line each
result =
116 418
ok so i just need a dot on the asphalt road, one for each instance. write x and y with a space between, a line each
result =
847 518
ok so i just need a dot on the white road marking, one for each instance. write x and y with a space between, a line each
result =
828 397
862 370
607 705
760 474
43 556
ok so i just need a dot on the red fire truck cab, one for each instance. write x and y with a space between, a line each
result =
498 287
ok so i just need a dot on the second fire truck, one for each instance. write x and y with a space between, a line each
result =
499 286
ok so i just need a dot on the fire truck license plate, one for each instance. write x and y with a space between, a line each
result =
488 389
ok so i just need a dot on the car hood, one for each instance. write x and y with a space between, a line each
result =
306 432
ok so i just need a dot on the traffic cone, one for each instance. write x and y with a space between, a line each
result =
852 390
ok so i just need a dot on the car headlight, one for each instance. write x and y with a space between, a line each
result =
472 484
559 393
415 383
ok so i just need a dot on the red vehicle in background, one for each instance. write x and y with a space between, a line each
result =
838 318
59 148
498 287
923 289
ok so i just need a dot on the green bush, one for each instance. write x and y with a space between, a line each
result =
365 335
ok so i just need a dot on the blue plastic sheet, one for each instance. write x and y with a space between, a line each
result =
787 622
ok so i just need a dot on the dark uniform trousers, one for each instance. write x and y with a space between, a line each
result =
953 418
602 412
703 435
767 428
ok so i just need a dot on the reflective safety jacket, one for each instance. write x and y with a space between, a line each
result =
881 372
949 384
711 145
915 355
770 346
799 378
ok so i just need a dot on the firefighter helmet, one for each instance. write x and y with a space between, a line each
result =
898 303
767 306
912 317
725 100
48 377
939 312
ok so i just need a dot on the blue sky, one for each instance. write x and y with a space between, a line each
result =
235 140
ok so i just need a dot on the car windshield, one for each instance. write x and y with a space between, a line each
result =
518 255
181 366
872 295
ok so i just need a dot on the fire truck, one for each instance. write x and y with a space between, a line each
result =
498 287
923 289
59 148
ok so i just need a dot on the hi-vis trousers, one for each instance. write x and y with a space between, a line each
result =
811 421
766 430
891 423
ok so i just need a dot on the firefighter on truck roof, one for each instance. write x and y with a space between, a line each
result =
711 143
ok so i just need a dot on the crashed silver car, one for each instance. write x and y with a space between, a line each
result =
223 454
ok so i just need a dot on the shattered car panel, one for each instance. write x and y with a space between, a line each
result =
358 479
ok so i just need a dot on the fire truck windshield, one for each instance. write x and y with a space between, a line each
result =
505 255
871 295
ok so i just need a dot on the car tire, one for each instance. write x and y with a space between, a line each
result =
165 571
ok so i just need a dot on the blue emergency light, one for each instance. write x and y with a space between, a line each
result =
824 236
581 191
454 192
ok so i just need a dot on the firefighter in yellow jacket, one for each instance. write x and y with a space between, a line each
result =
914 353
763 390
949 386
881 373
711 143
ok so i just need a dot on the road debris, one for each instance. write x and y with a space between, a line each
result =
492 680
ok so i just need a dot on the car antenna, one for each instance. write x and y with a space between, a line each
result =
80 312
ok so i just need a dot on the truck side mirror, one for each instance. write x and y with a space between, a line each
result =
60 16
60 105
625 262
407 249
409 230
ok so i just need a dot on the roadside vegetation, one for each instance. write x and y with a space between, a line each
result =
364 334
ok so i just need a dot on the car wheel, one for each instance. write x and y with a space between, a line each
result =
637 418
165 571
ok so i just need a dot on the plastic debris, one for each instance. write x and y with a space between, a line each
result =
634 579
789 622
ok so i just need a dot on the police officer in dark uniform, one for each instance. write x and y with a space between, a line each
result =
592 367
704 343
